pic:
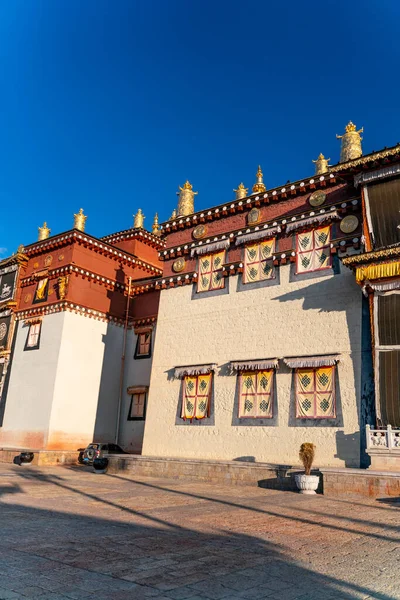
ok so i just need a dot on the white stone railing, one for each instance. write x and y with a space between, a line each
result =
382 439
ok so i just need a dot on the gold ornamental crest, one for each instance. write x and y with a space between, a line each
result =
27 298
317 198
48 260
254 216
199 232
349 224
179 265
3 331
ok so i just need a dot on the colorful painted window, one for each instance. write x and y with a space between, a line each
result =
315 393
258 264
137 410
256 397
210 272
143 345
33 339
313 250
196 396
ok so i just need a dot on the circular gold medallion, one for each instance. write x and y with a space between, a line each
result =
349 224
179 265
51 291
35 265
253 216
27 298
317 198
61 257
48 260
199 232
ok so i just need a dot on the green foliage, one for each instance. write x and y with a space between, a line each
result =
307 454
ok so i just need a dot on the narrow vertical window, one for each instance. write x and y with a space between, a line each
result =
143 344
33 337
137 410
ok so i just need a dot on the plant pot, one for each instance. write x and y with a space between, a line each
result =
100 465
307 484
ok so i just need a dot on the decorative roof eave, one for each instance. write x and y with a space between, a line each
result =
71 307
19 258
311 362
93 244
140 233
192 370
365 257
363 161
176 251
110 284
257 235
314 220
385 286
258 364
275 195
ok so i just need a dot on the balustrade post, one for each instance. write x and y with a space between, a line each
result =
368 434
389 437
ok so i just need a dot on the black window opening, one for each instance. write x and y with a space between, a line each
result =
384 209
389 387
33 337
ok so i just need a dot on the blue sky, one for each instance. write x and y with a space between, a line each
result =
110 105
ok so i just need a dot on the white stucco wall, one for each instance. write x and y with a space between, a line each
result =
31 387
320 315
64 395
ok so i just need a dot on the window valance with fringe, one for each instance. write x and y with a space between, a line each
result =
311 361
257 235
315 220
192 370
254 365
209 248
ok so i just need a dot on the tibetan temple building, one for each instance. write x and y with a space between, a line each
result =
276 314
77 338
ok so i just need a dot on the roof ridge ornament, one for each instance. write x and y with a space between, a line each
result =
351 143
44 232
241 191
139 218
321 165
156 228
80 220
186 199
259 186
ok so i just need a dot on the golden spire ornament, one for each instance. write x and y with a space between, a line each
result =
173 216
321 165
156 228
241 192
139 220
186 200
44 232
80 220
259 185
351 143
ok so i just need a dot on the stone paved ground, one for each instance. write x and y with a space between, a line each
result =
70 533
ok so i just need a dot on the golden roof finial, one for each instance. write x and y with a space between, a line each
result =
44 232
156 228
321 165
259 186
186 199
351 143
80 220
174 213
241 191
139 220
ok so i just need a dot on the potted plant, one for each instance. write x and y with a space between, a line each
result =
306 482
